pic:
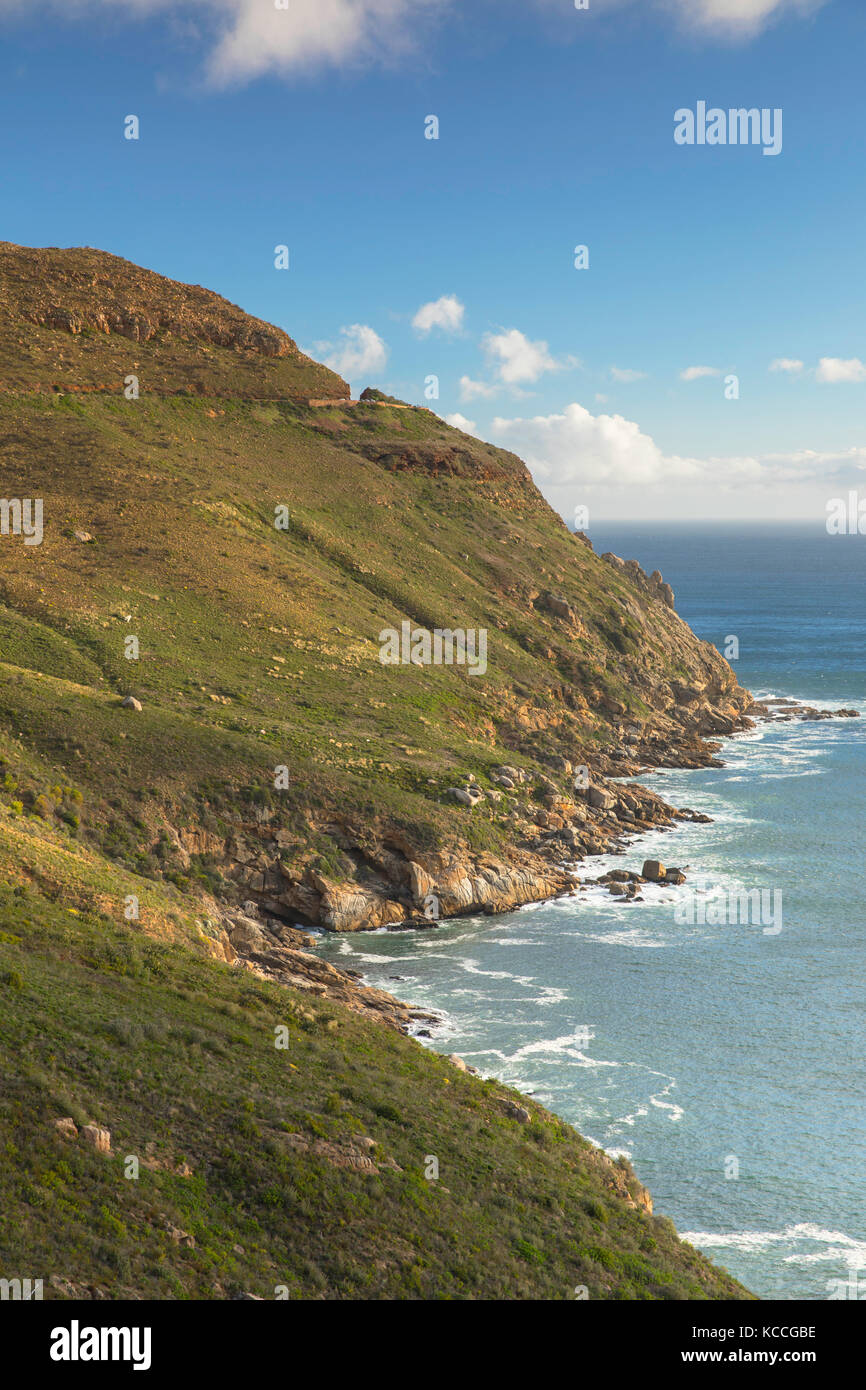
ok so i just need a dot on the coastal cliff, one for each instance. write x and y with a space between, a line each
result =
228 556
203 752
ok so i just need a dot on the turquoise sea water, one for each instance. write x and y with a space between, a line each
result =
689 1047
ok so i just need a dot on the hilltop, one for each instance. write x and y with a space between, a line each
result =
228 555
124 319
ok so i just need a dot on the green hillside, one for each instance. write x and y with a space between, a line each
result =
294 1172
278 773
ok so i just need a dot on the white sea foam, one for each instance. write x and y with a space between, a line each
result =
677 1111
837 1246
635 939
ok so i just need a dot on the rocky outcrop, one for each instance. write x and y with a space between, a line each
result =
651 584
653 870
264 945
416 891
175 338
619 1177
559 607
504 472
553 824
91 290
360 1155
555 821
784 711
348 906
96 1138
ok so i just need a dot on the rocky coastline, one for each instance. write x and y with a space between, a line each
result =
559 822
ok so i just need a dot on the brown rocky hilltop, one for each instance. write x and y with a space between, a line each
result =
178 338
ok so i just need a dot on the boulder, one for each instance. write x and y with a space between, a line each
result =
98 1139
182 1238
463 795
247 935
653 870
516 1112
66 1128
558 606
675 876
599 798
130 702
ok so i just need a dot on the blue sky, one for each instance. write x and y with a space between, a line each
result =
306 127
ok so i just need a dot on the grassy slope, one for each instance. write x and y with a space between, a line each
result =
260 646
175 1055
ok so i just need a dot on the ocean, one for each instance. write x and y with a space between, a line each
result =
725 1061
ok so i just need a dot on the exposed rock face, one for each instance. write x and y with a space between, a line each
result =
398 884
558 605
348 907
180 1237
268 948
468 884
177 337
97 1138
460 884
86 289
466 795
358 1155
494 470
651 584
516 1112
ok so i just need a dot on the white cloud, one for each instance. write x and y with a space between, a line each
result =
461 423
731 19
473 390
515 358
736 18
695 373
626 374
787 364
577 456
360 352
836 369
579 447
251 37
445 313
